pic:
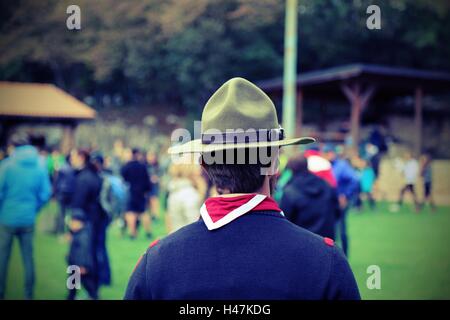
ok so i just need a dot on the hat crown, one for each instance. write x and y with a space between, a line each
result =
239 104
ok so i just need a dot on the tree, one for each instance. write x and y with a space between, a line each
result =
178 52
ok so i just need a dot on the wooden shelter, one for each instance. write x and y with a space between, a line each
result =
33 103
360 83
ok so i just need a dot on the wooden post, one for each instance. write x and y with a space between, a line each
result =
290 68
358 100
355 119
299 114
68 138
418 119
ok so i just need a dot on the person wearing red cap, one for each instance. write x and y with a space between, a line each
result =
320 166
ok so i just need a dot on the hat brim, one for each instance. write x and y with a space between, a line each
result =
196 146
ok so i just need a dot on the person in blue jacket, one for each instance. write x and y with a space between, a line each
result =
242 247
347 188
24 189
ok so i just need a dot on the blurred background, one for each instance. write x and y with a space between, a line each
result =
137 70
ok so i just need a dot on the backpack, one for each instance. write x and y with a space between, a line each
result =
113 195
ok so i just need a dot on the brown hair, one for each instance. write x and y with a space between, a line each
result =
235 177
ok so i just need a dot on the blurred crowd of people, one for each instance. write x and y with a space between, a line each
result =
317 188
91 190
133 187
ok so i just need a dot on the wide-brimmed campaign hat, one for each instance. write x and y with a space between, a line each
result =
238 115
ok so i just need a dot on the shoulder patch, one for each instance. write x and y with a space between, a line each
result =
328 241
154 243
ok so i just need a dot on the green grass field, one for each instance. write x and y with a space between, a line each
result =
412 251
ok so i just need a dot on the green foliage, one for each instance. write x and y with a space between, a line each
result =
177 52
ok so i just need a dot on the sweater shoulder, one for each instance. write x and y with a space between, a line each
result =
316 243
191 231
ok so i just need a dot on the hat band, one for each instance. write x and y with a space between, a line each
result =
249 136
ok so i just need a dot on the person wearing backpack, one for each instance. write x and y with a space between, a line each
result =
113 195
86 202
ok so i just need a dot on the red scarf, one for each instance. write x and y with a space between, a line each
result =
219 211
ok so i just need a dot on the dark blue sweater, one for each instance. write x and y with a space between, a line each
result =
260 255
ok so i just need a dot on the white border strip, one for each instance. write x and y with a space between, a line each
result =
236 213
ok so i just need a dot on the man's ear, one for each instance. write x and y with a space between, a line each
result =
274 163
272 184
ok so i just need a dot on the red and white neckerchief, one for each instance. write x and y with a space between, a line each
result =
219 211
